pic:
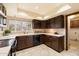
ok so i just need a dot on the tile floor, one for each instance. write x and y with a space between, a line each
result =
43 50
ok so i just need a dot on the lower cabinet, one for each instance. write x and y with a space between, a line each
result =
56 43
28 41
24 42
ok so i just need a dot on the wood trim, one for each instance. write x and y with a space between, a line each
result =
72 13
66 33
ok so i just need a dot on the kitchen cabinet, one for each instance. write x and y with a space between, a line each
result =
24 42
56 22
56 43
59 21
28 41
43 24
52 23
36 24
39 24
43 38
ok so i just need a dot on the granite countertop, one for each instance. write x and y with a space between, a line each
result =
57 35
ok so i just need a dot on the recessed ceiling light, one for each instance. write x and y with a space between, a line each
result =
64 8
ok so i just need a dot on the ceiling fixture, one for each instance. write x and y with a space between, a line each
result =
64 8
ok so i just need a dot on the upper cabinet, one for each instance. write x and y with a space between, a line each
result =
51 23
43 24
36 24
56 22
59 21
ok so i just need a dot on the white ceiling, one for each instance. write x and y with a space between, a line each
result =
34 10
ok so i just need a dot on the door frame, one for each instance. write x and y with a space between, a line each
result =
67 28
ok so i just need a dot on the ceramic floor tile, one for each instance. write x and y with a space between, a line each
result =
43 50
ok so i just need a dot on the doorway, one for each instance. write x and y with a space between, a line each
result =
72 31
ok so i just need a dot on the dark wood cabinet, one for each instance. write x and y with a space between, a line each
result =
59 21
52 23
56 43
43 38
43 24
24 42
28 41
56 22
39 24
36 24
21 42
47 24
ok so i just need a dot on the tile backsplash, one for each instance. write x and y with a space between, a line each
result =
61 31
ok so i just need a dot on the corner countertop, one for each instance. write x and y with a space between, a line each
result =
57 35
14 36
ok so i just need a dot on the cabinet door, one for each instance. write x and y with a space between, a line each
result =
43 24
47 23
24 42
61 44
59 21
21 42
42 39
36 24
52 23
29 42
54 42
